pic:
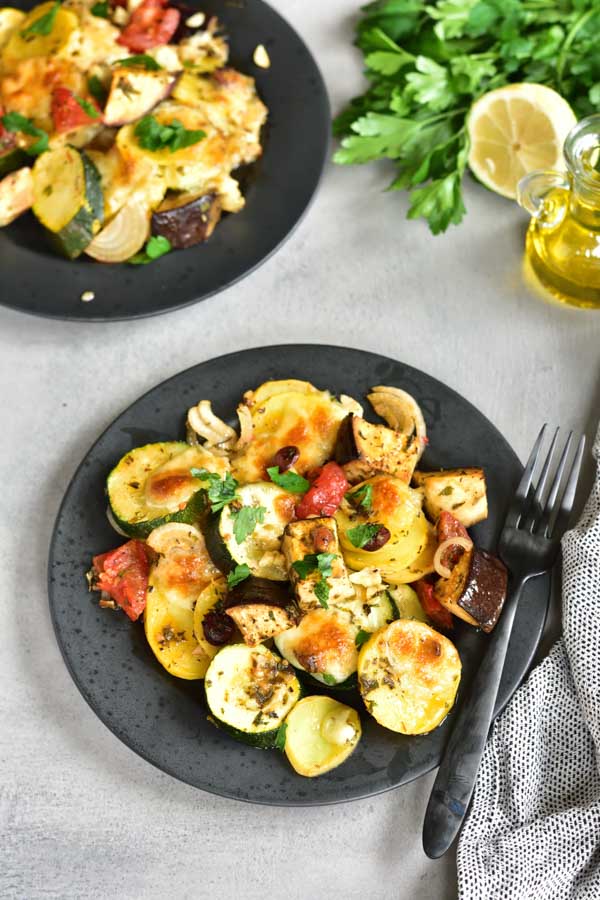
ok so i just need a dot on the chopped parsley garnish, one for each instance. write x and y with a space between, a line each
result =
44 24
280 739
362 496
361 638
240 573
362 534
446 491
14 121
328 679
140 60
289 481
101 10
156 247
153 135
245 520
97 89
221 491
88 108
321 563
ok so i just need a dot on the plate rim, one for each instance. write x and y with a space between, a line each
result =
139 751
325 155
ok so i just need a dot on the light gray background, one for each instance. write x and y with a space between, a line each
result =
81 815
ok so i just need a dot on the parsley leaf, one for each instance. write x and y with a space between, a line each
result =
245 521
221 491
101 10
362 637
97 89
154 136
362 534
328 679
88 108
43 25
321 563
141 60
362 496
289 481
240 573
156 247
427 62
14 121
322 592
280 738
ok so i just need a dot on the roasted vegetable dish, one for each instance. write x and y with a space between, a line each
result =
122 126
303 551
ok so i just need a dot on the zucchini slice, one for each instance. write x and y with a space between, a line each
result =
249 691
260 549
67 198
323 644
407 603
321 734
152 485
408 675
370 614
182 572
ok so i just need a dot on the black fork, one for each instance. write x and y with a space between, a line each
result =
529 544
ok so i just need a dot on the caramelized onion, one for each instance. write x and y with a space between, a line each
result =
459 541
123 237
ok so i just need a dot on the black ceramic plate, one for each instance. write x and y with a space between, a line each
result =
278 189
163 718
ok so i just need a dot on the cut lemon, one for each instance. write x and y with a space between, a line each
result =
514 130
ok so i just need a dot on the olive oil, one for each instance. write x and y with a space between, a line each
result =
563 239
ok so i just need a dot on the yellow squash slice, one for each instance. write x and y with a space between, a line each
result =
31 40
321 734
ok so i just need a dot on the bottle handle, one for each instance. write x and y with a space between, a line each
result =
544 194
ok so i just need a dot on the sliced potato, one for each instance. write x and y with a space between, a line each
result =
176 580
398 508
24 45
323 644
408 675
321 734
10 19
461 492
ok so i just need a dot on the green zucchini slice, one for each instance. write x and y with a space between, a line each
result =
323 645
249 692
67 198
321 734
407 603
260 549
370 614
152 485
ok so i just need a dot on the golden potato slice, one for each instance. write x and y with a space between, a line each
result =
408 675
25 43
321 734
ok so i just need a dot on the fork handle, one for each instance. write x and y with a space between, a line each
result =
455 780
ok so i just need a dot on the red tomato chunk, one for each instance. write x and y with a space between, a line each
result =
123 573
68 113
439 615
326 493
150 25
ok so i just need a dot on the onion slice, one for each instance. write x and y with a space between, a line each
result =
459 541
111 519
123 237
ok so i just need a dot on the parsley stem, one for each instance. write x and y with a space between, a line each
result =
564 52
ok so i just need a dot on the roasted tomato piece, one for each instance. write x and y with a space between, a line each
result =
123 573
449 527
153 23
325 494
439 615
68 112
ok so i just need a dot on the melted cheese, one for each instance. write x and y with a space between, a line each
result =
322 644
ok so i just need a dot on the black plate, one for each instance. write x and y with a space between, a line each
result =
163 718
278 189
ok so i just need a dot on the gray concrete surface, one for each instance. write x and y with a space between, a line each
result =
82 816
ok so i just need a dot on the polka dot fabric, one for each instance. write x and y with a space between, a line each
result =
533 830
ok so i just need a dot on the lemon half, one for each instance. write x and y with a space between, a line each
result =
514 130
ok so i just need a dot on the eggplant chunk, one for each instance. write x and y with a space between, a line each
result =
185 219
475 590
134 92
461 492
16 195
311 537
259 621
364 449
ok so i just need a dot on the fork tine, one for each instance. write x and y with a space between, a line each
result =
537 502
518 505
560 519
553 495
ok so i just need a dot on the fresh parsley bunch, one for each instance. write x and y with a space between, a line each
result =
428 62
